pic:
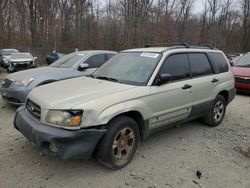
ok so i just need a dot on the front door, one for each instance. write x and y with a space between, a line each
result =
94 62
172 101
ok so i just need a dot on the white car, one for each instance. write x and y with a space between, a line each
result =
20 60
136 93
5 56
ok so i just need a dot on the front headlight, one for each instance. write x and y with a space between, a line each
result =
24 82
66 118
5 60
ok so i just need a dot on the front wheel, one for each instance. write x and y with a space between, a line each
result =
217 112
119 144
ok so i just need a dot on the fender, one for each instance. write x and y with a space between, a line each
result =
135 105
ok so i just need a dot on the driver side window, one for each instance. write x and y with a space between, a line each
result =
177 66
96 61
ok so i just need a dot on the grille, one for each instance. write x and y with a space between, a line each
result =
242 80
33 109
6 83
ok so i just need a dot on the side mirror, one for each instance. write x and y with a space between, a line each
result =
164 78
83 66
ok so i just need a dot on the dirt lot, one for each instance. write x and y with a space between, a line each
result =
168 159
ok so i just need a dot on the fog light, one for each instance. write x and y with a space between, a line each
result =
53 147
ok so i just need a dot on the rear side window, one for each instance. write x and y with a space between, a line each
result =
177 66
200 64
219 62
96 61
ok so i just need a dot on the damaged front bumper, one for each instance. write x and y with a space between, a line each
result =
65 144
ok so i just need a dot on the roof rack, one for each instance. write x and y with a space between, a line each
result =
180 45
184 44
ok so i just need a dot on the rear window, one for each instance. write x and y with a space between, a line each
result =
200 64
219 62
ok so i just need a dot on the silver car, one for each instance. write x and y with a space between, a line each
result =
19 61
5 56
15 87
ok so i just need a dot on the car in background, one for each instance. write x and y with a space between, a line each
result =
5 56
241 72
15 87
236 59
233 58
54 56
20 61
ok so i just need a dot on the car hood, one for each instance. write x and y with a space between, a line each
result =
21 59
46 72
69 93
241 71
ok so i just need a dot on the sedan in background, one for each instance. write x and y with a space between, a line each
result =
21 61
5 56
15 87
241 72
54 56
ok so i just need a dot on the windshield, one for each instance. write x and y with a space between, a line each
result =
129 68
68 61
8 52
21 56
236 59
244 61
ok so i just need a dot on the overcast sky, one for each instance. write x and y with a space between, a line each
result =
198 7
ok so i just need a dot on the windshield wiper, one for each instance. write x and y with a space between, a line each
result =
107 78
91 76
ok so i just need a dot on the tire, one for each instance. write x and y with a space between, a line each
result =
217 112
118 146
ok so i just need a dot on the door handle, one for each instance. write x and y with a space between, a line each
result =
215 80
186 86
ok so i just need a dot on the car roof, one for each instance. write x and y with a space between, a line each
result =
89 52
177 48
151 49
9 49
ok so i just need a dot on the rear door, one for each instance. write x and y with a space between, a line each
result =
203 76
172 101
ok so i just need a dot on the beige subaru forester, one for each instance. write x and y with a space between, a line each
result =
136 93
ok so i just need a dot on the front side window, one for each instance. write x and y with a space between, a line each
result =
200 64
176 66
68 61
96 61
133 68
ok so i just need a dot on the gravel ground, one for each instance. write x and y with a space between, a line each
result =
167 159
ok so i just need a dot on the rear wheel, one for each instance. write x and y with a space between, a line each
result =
119 144
217 112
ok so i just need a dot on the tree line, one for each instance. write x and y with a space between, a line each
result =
63 25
